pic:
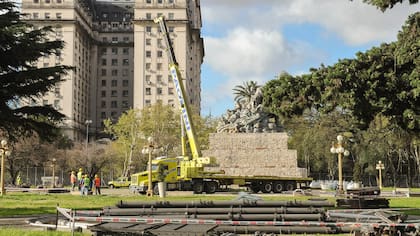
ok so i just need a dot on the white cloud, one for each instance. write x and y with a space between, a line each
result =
354 21
244 55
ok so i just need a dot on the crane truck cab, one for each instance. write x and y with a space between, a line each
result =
164 169
178 173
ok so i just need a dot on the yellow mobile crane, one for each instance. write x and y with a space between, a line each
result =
184 172
187 173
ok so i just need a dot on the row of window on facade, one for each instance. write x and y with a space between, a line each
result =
117 15
159 79
159 53
114 83
115 51
158 42
115 39
148 102
149 29
47 15
114 104
116 25
114 72
114 93
114 62
113 115
48 1
160 1
159 91
149 15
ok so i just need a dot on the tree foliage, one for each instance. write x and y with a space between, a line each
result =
383 80
159 121
245 91
373 99
21 80
163 124
128 137
383 5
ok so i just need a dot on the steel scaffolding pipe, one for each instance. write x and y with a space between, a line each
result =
263 217
248 203
275 229
242 210
241 217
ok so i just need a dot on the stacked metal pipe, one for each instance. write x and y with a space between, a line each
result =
244 210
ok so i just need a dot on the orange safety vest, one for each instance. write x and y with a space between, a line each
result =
73 179
97 182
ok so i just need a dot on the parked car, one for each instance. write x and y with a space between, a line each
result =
120 182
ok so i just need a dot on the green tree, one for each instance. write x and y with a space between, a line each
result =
383 80
386 4
128 134
163 124
204 127
100 157
245 91
312 136
380 86
21 80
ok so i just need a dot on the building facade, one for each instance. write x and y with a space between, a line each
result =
118 54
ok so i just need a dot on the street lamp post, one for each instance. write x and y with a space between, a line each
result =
87 122
149 150
4 151
380 166
53 172
339 149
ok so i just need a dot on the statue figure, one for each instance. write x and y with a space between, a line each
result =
248 117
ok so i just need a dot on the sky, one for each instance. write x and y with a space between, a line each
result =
256 40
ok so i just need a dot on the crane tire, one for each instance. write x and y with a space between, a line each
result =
266 187
198 187
211 187
278 187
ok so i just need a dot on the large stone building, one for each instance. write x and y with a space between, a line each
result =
119 57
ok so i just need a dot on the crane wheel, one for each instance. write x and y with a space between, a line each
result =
277 187
254 188
198 187
211 187
266 187
290 186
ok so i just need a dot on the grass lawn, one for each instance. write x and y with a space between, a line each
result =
14 204
33 204
22 232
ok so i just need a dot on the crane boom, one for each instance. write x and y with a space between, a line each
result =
179 86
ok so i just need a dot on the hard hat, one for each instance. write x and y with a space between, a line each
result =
80 169
96 176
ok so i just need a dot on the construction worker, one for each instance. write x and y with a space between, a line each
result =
97 184
18 180
86 185
80 178
73 180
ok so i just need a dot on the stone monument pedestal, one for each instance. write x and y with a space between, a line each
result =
253 154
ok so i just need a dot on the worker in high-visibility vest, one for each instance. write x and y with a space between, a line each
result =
80 178
18 180
86 185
